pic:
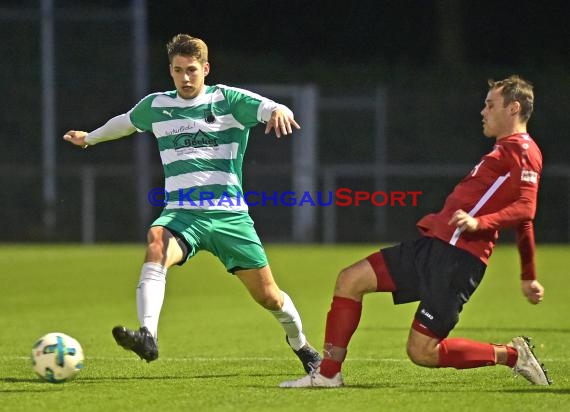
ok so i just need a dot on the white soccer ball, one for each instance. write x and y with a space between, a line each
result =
57 357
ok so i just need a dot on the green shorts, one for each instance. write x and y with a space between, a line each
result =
230 237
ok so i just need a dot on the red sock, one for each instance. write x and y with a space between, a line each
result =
342 321
512 356
461 353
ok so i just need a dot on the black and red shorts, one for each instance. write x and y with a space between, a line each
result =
439 275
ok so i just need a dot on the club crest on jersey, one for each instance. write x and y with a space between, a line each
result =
193 141
209 116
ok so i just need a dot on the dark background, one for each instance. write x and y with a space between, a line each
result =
403 32
432 58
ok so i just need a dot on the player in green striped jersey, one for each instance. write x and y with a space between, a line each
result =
202 133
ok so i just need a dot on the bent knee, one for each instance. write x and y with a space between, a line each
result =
352 283
270 302
418 356
422 356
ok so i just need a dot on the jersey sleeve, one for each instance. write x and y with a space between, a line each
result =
117 127
525 166
526 246
251 108
141 114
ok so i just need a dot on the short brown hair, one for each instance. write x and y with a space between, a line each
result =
186 45
516 89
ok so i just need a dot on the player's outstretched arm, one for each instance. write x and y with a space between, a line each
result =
533 291
76 137
282 122
117 127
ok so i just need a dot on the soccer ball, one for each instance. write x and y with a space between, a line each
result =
57 357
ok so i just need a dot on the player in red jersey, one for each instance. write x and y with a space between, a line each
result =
442 268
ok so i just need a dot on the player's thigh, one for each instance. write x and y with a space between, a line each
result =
261 286
449 278
187 228
163 247
236 243
404 263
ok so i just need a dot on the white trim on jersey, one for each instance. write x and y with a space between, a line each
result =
196 179
237 205
223 151
165 100
486 196
242 91
267 107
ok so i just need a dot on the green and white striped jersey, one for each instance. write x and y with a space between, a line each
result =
202 143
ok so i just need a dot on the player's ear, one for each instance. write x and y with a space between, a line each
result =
206 68
515 108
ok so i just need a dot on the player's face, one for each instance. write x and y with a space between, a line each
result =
188 75
497 119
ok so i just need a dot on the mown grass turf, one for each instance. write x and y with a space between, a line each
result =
220 351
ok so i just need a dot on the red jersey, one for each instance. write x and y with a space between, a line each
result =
499 192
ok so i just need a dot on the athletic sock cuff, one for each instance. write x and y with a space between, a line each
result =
346 303
512 356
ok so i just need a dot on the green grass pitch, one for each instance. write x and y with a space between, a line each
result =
219 351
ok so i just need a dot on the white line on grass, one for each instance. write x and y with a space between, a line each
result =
205 359
239 359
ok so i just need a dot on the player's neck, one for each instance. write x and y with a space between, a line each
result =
518 129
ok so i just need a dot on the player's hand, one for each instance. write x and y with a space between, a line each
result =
464 221
533 291
76 137
281 122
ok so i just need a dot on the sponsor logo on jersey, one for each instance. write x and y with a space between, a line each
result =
195 140
529 176
180 129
